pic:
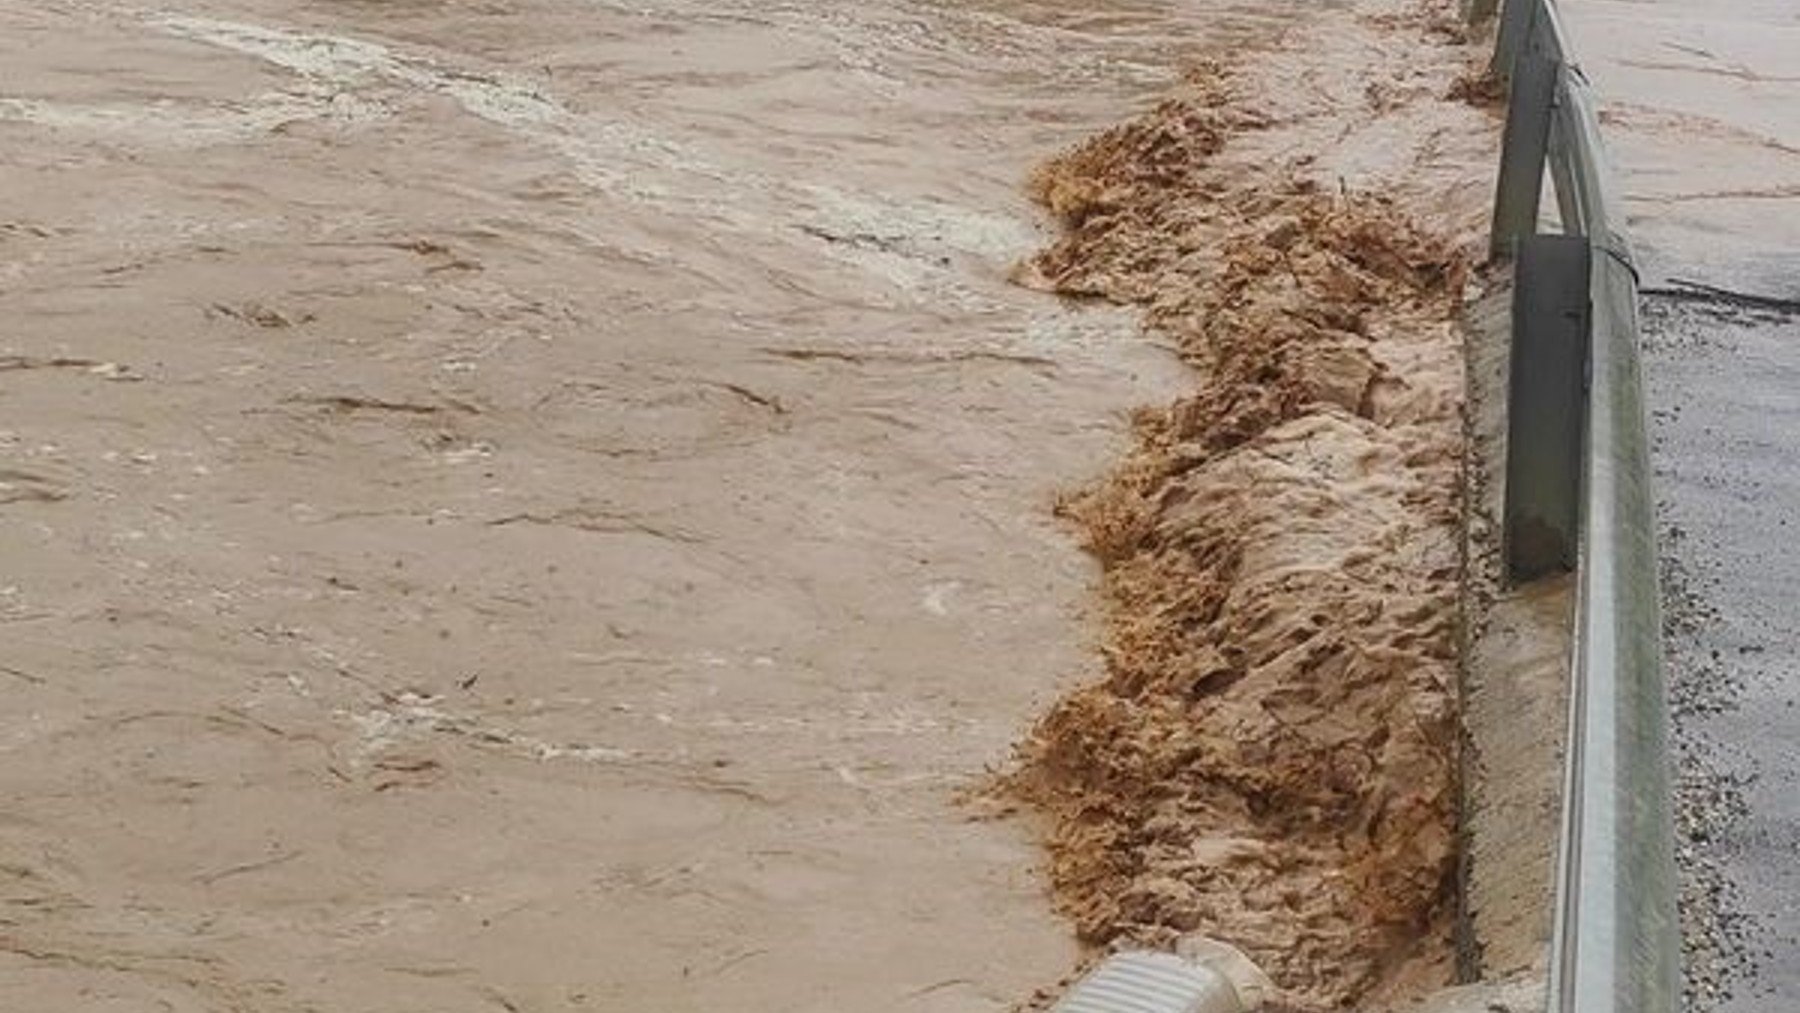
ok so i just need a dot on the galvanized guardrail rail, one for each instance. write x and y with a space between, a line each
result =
1578 497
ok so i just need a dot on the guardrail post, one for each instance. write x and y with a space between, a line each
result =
1578 492
1517 19
1524 147
1546 399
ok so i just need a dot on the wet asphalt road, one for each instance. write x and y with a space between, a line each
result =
1724 387
1702 115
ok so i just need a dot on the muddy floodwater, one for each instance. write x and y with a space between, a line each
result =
542 504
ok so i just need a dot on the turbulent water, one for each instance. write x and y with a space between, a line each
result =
541 504
546 504
1271 755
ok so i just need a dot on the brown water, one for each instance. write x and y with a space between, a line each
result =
538 504
1270 757
541 504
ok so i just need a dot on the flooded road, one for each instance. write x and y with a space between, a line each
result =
1702 114
541 505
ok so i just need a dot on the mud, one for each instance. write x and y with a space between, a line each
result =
541 504
1270 756
516 504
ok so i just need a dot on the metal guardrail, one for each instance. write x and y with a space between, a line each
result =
1616 939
